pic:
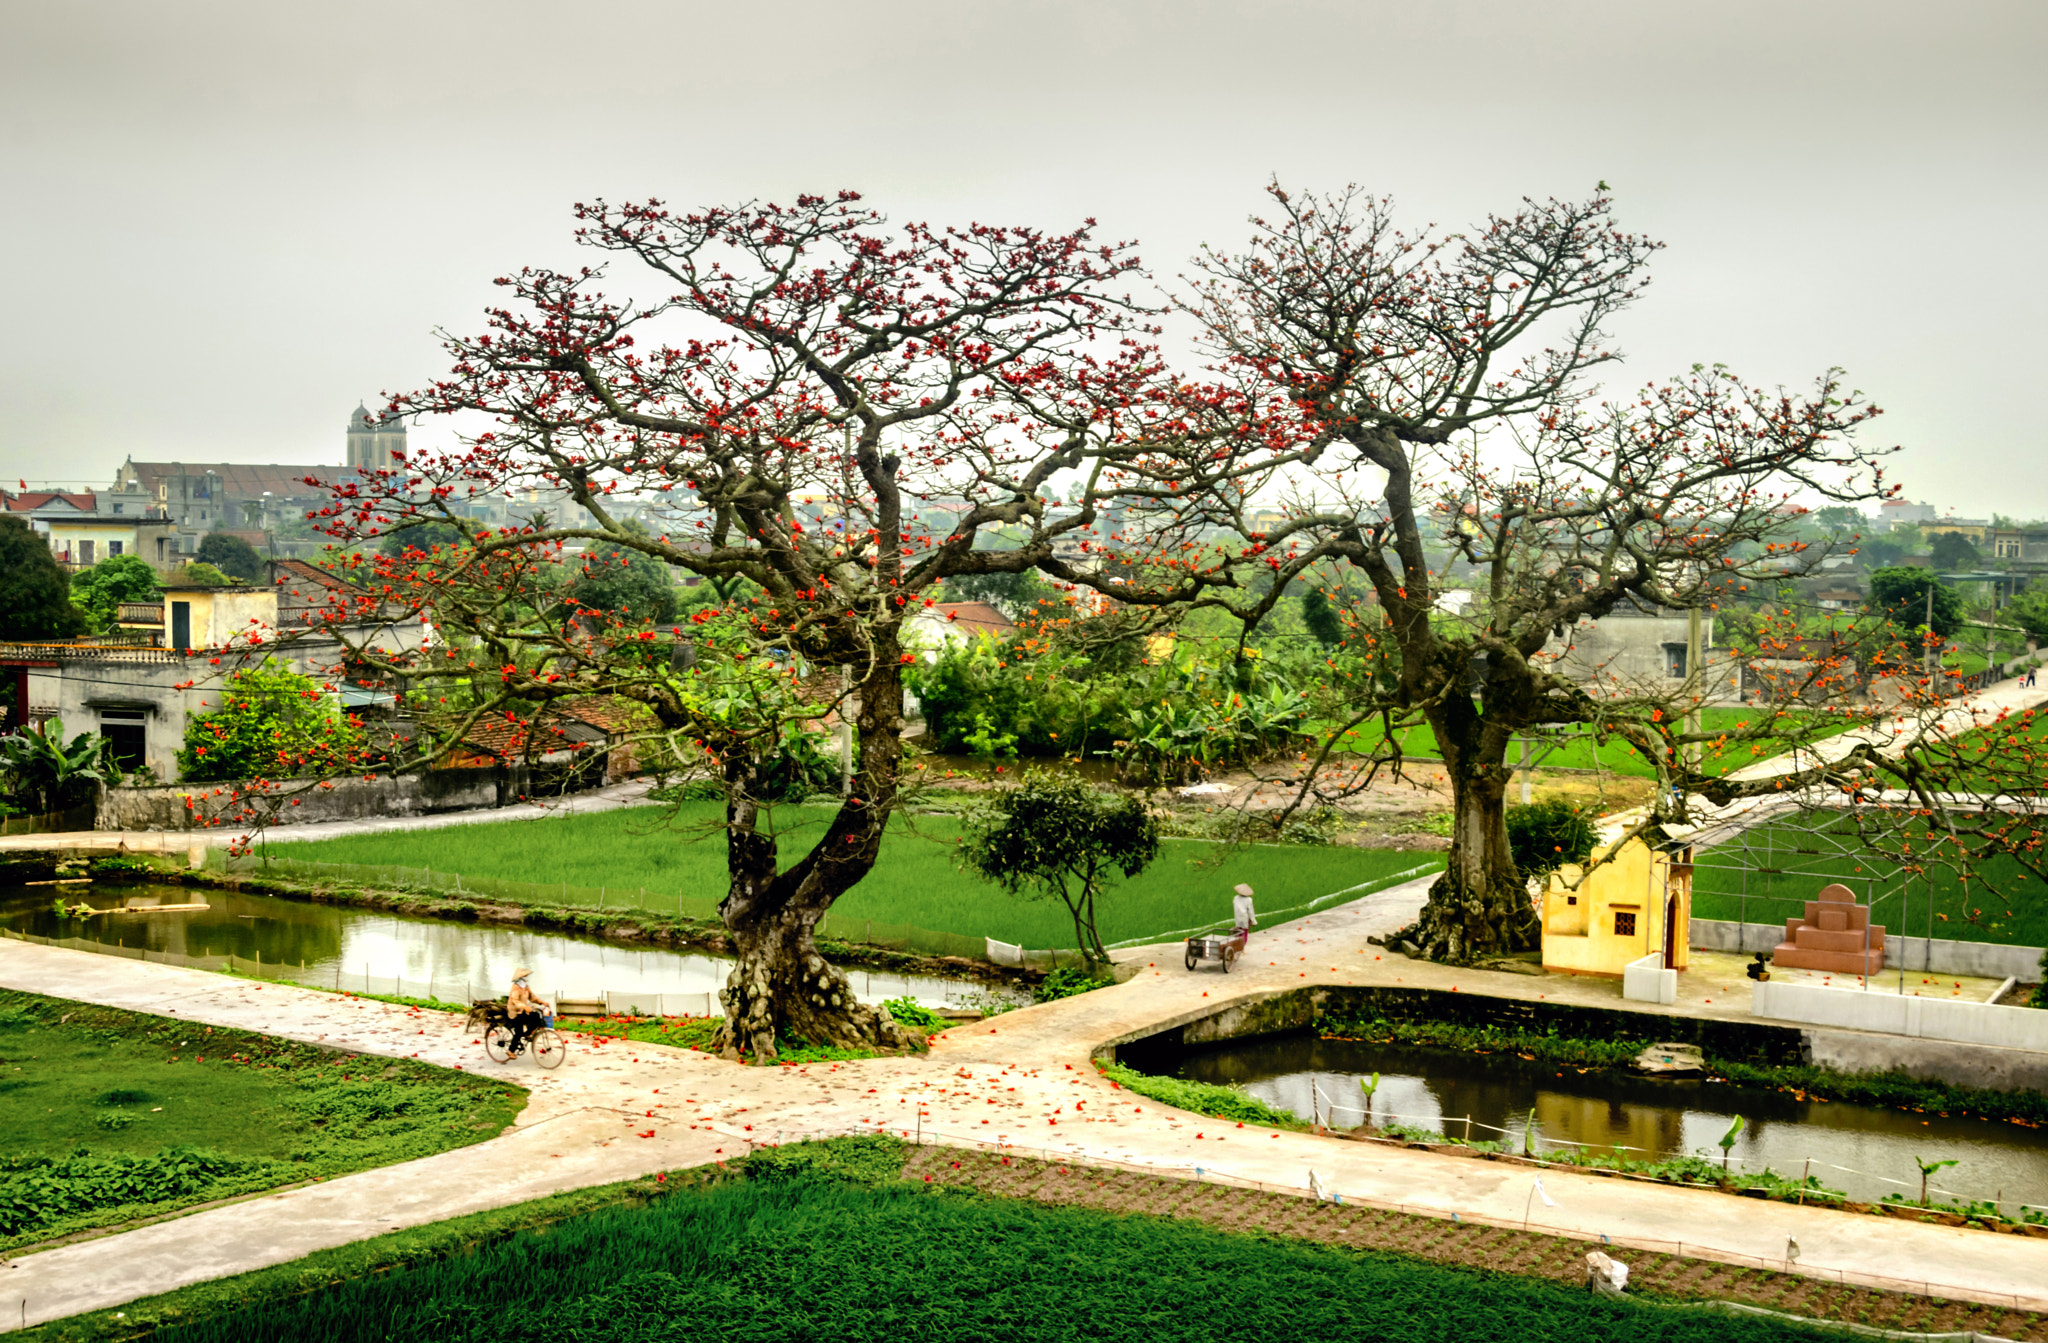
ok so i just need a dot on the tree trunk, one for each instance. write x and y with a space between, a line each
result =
782 989
1480 906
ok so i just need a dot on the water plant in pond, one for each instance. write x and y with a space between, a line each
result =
1727 1139
1928 1168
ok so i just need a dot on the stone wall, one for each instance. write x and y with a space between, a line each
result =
166 808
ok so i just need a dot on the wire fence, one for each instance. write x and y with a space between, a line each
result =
901 937
1315 1186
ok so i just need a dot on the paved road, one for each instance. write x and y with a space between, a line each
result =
1022 1079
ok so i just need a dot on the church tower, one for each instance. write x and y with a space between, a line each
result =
371 441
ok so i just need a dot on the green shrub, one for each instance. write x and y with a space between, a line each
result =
36 1191
1066 981
910 1012
1544 836
272 724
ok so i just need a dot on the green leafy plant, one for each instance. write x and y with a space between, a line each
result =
1727 1140
1204 1098
273 723
1544 836
100 590
910 1012
1066 981
1928 1168
46 775
1056 836
35 598
231 555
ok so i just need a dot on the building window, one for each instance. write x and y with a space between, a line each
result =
113 548
85 552
1674 660
1624 923
126 735
117 508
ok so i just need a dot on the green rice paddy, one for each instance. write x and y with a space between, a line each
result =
811 1260
1769 875
679 854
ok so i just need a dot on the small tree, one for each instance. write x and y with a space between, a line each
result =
627 584
272 724
199 571
100 590
1321 618
35 599
231 555
1900 596
1054 835
1952 550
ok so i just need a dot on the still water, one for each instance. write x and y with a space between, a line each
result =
1623 1113
373 951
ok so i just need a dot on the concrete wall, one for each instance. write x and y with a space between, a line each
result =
1923 1018
1940 956
344 800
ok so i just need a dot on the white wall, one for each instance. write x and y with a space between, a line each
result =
1923 1018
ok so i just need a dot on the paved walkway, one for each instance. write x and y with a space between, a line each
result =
632 793
1023 1079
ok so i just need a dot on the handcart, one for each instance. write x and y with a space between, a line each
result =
1224 947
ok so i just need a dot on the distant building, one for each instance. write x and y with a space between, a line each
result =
1902 513
949 623
83 529
372 442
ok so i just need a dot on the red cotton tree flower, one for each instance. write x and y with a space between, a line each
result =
1443 392
820 417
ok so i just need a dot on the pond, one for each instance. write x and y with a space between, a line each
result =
375 952
1862 1150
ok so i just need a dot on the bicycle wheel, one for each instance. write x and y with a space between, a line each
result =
498 1043
548 1047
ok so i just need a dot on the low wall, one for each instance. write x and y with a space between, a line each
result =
1921 1018
1940 956
165 808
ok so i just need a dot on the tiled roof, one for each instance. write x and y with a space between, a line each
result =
975 618
34 499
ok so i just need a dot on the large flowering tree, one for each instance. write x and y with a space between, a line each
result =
828 414
1444 390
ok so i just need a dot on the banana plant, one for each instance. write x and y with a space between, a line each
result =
41 769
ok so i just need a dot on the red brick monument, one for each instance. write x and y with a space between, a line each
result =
1836 936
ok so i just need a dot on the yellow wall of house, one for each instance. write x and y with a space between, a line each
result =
65 536
220 614
1582 923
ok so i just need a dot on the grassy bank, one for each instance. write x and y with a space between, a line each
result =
680 865
1768 874
793 1255
1615 756
110 1116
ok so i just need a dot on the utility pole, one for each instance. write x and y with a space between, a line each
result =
1695 683
1928 657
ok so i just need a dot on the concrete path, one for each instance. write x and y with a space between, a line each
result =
632 793
1021 1080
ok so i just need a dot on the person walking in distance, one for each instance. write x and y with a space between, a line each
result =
1241 909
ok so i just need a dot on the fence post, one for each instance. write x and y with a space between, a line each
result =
600 897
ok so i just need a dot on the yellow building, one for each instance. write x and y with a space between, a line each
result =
1637 904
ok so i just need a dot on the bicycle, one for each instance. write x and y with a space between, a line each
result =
546 1044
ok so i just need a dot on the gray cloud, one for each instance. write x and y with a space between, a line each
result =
227 222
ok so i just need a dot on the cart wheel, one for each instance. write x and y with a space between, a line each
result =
1228 957
549 1049
498 1043
1190 959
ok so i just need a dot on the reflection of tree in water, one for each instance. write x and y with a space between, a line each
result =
275 931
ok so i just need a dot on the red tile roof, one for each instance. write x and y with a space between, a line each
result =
976 618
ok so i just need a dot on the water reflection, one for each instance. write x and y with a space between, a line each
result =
1492 1096
352 948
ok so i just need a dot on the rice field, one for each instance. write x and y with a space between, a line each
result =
670 853
1785 863
810 1260
1614 756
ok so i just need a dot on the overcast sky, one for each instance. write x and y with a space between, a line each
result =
227 222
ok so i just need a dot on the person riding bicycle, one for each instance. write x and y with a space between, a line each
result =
526 1013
